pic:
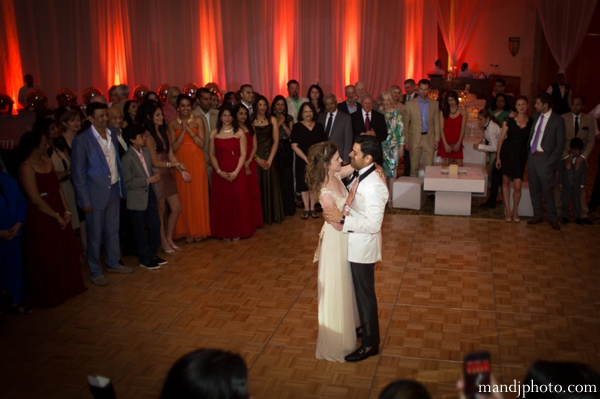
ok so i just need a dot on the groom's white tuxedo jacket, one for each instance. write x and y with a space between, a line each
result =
363 225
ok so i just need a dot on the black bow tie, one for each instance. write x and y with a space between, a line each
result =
355 174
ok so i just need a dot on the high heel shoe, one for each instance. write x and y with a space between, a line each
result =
168 249
176 248
507 219
516 219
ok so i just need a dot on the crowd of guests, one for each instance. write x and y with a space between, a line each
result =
133 177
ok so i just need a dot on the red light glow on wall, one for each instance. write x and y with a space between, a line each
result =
10 54
283 42
352 21
210 29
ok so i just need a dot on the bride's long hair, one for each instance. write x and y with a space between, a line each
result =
319 159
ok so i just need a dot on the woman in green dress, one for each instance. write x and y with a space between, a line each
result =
393 146
501 108
267 135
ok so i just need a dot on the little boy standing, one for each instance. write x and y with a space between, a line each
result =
142 201
570 182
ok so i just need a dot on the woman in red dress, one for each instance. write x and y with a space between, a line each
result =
231 217
241 115
453 128
53 255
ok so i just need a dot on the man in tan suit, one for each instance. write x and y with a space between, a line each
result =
422 127
582 126
209 116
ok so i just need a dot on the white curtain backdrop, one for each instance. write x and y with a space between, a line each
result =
565 24
457 19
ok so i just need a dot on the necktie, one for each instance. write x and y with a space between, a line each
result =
367 123
328 127
576 125
538 134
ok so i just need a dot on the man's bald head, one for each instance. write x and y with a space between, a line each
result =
98 98
115 117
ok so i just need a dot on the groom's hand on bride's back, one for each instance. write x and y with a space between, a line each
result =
332 215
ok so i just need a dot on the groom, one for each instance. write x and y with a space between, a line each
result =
363 223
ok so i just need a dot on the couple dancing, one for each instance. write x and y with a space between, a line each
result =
349 246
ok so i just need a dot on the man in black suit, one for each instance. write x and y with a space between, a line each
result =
350 106
369 123
411 90
338 127
561 95
546 145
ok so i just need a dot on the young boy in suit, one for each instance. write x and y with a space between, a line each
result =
142 200
571 181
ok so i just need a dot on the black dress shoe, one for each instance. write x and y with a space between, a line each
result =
587 221
579 222
160 261
362 353
535 221
564 220
555 225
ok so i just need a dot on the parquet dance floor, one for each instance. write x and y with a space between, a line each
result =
446 286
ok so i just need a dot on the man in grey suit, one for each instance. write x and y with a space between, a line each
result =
546 145
338 127
142 200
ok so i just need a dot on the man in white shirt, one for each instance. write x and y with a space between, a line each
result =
546 145
438 71
464 72
23 91
294 101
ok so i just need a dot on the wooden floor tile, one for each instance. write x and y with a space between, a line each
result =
440 334
447 289
447 254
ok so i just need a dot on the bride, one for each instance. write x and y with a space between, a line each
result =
338 315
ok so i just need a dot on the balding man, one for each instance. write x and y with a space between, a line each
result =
338 127
123 92
170 107
361 92
350 106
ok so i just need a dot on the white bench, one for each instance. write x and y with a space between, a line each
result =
407 193
525 205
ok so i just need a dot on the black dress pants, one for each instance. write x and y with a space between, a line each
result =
149 219
363 277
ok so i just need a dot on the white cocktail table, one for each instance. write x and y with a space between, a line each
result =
453 193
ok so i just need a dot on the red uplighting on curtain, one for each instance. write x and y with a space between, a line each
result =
350 58
210 58
10 54
413 35
283 42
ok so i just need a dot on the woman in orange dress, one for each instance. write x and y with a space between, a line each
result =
186 133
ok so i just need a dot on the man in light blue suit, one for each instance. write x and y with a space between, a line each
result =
96 174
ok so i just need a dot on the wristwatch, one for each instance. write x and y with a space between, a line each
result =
343 220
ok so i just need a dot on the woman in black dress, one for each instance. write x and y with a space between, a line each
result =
305 134
512 156
285 155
